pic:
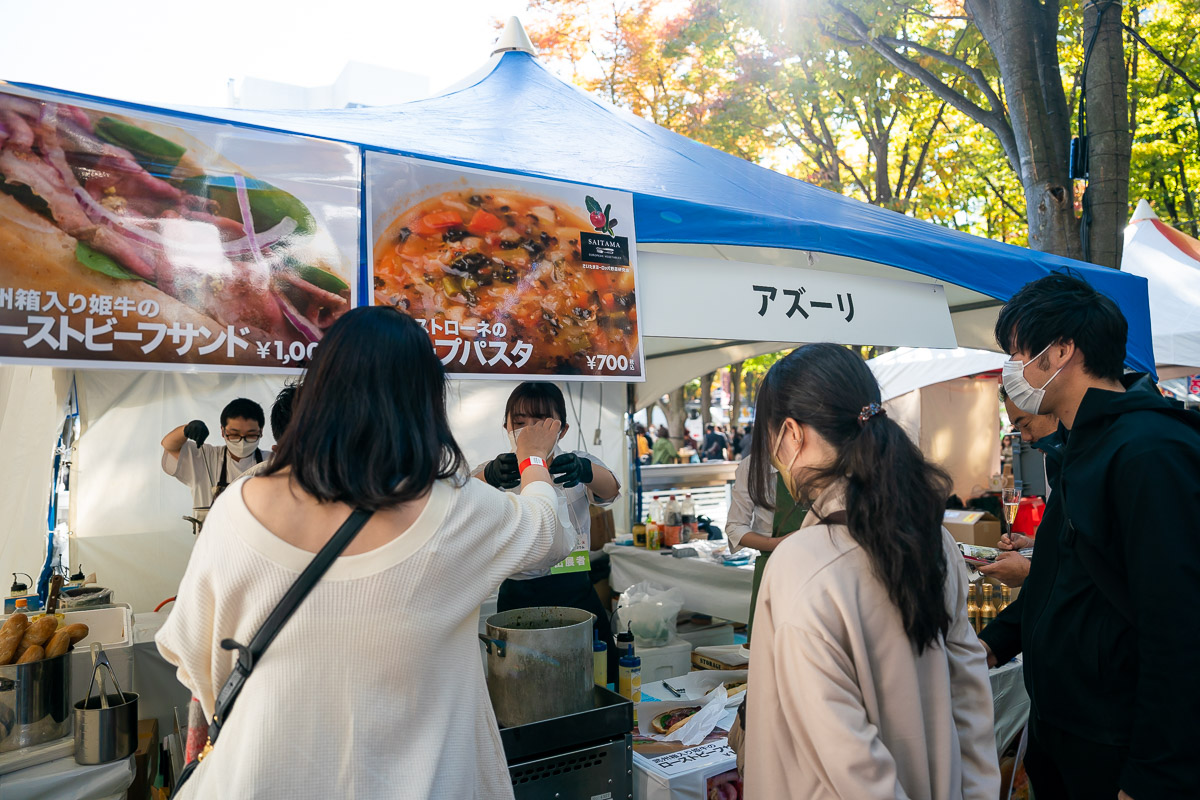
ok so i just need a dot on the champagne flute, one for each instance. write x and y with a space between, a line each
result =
1011 500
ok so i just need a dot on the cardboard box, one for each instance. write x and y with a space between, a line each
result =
604 529
973 527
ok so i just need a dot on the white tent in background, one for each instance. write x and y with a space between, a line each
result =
908 368
952 417
1170 261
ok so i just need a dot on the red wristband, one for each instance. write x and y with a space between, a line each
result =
532 461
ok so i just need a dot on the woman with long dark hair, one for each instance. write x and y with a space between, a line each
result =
374 686
866 678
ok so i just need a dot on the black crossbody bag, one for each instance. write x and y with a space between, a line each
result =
249 655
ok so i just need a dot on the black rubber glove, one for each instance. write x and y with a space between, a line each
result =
503 472
571 470
197 431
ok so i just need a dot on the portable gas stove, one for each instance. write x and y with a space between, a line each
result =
582 756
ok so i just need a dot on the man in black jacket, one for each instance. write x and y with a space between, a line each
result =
1112 650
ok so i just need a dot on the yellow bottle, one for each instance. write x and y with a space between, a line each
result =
1004 598
987 611
630 681
972 608
599 660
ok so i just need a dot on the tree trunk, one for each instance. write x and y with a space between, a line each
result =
1023 37
706 399
735 393
1106 87
677 417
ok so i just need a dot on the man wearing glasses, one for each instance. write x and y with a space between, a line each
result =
208 468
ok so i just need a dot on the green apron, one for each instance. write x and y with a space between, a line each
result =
788 518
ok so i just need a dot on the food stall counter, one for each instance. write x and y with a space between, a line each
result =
708 588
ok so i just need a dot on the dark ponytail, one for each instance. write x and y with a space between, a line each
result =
895 499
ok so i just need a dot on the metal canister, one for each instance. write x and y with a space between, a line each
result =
539 663
106 723
34 702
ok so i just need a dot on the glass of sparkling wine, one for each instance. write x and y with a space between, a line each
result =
1011 500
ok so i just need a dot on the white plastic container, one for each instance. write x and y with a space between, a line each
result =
666 662
112 627
718 632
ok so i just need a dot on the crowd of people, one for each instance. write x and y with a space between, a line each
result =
719 443
867 680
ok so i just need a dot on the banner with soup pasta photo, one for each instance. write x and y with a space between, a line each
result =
135 239
509 275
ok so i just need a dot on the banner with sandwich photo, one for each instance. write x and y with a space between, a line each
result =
137 239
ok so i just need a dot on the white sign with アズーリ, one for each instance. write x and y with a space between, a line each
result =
703 298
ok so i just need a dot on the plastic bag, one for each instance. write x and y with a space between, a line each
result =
648 611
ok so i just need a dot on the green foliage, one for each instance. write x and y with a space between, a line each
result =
779 84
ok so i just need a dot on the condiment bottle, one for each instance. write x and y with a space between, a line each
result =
691 525
599 659
623 643
972 608
639 535
630 686
671 530
987 611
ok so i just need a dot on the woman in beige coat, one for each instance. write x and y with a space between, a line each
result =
866 679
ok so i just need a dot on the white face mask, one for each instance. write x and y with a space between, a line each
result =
512 439
1019 390
241 449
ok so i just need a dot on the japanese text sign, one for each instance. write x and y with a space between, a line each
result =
508 275
138 239
702 298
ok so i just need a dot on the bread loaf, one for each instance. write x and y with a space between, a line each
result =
11 635
39 631
35 653
78 632
60 643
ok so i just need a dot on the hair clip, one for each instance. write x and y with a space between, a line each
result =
870 411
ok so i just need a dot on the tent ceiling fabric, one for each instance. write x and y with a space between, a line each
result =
1170 261
685 192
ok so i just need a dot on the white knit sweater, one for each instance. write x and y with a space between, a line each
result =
375 687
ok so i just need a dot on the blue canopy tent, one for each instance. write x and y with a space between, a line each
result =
689 199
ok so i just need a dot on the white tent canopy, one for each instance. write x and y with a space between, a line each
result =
1170 262
908 368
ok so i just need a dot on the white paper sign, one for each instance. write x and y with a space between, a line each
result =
702 298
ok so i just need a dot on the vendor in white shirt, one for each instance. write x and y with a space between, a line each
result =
208 468
748 525
580 479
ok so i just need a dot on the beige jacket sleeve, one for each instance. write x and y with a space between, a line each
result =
823 705
970 689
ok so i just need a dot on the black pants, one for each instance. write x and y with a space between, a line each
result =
1062 766
569 590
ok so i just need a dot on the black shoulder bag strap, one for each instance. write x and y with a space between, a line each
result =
249 655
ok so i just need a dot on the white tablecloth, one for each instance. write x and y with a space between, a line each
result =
63 779
708 588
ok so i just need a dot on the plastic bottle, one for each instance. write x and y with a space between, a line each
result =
599 660
673 523
623 643
691 526
21 606
653 528
630 686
